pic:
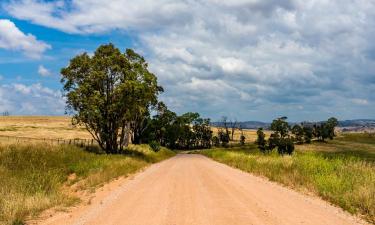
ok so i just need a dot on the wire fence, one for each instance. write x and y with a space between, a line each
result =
76 141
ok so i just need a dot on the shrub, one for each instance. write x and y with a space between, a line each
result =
216 141
155 146
242 139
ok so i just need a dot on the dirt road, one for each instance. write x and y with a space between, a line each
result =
192 190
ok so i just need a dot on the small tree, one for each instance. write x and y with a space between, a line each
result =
280 137
261 140
215 141
223 137
307 133
297 131
242 139
273 141
280 126
331 124
233 125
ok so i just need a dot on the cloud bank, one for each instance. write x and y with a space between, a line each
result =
34 99
242 58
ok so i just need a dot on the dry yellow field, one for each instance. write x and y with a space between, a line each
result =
250 134
60 127
49 127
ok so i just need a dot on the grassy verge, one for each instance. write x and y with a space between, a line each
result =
34 177
346 180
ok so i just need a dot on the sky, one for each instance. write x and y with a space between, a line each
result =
245 59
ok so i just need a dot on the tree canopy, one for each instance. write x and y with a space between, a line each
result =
110 93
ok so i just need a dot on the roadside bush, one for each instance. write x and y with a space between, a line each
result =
242 139
155 146
216 141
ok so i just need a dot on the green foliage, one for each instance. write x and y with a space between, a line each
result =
280 137
216 141
307 133
188 131
18 222
223 137
242 139
331 124
298 132
261 140
155 146
280 126
110 93
283 137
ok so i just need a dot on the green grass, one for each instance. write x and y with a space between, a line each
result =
35 177
346 179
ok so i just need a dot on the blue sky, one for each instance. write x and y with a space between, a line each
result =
246 59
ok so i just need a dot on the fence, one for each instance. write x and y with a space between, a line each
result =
76 141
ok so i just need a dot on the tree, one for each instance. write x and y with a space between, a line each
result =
110 93
280 126
307 133
280 137
187 131
331 124
242 139
216 141
233 126
261 140
225 123
223 137
321 131
297 131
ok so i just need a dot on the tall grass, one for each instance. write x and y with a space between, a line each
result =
347 181
33 176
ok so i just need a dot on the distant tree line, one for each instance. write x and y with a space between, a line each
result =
226 133
283 136
187 131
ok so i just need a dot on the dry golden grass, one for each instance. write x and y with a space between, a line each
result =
51 127
250 134
60 127
36 177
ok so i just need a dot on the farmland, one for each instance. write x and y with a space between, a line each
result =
53 127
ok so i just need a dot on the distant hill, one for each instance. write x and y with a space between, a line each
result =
360 123
357 123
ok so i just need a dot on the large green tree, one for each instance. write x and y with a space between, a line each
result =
110 93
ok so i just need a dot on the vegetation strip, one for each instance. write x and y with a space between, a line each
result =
41 176
344 179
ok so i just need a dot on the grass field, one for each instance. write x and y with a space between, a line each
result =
53 127
340 171
39 176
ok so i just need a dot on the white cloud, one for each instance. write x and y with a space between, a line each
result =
249 54
11 38
34 99
44 72
359 101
